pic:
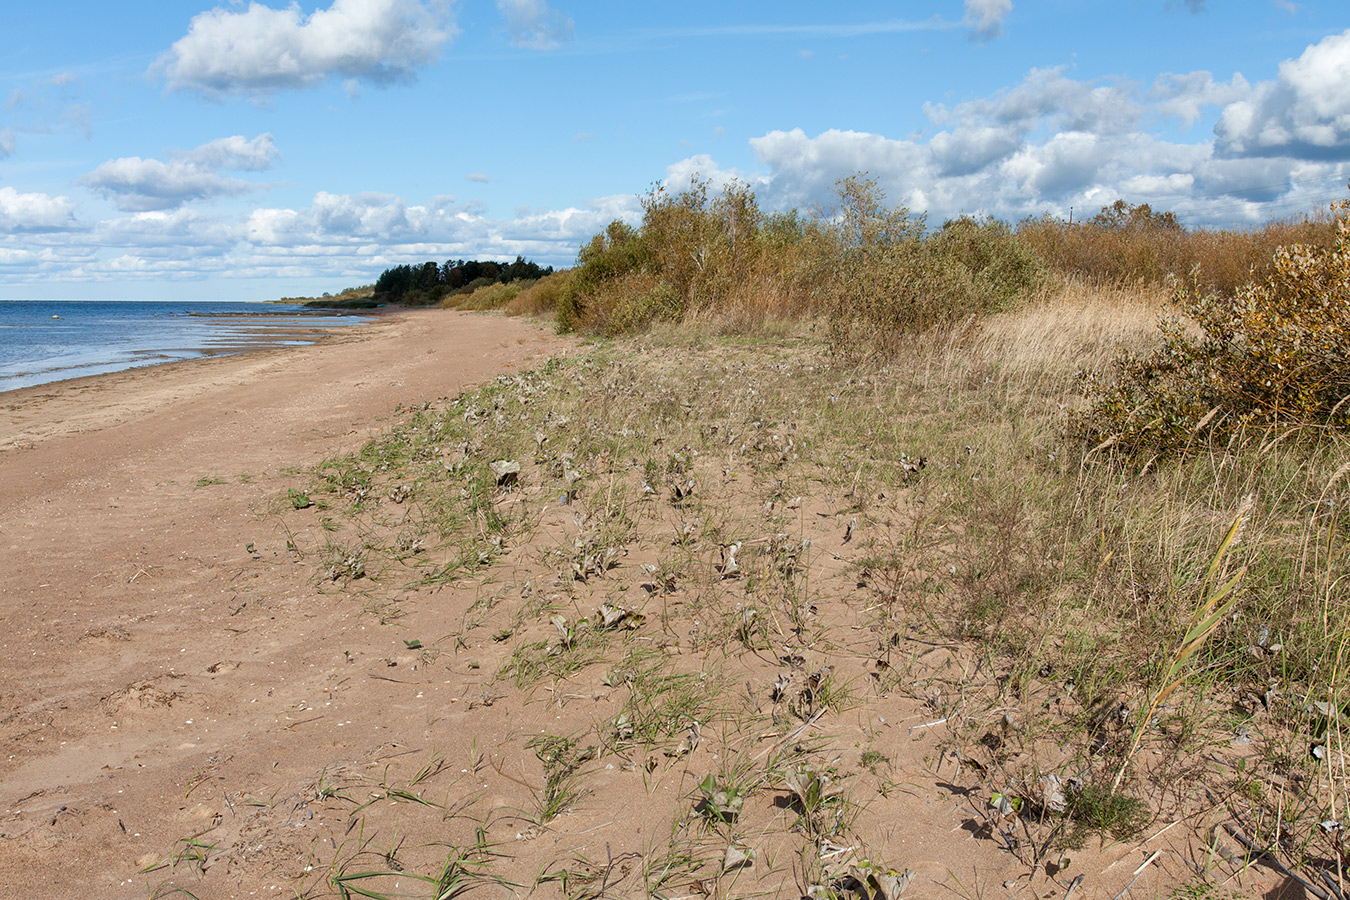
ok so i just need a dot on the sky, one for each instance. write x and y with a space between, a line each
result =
246 151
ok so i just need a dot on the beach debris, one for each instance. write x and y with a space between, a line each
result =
611 616
505 471
681 489
848 530
728 567
738 856
568 632
880 882
720 802
1053 797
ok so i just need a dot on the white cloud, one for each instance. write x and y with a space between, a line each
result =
1187 96
344 238
534 24
261 49
137 184
1304 113
34 212
236 152
477 178
6 143
1044 145
986 17
1054 142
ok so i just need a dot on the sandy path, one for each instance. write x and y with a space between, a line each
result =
143 648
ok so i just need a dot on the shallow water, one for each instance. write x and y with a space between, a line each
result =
43 340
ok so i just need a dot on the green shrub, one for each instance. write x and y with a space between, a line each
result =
1273 354
617 251
887 279
1003 268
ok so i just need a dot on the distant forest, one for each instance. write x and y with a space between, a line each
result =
430 283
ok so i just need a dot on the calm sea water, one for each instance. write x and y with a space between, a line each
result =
43 340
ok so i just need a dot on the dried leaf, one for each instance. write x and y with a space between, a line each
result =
737 857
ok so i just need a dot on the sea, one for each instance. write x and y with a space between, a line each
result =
43 341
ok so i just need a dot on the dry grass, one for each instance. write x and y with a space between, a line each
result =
1150 254
1072 326
782 541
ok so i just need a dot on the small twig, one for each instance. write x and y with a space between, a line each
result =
1262 852
1137 872
1073 886
792 735
1145 864
914 728
301 722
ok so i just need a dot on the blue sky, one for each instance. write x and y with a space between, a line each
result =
248 150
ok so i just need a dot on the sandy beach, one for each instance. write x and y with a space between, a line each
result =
155 643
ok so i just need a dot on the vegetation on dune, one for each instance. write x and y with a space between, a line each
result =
869 269
847 465
360 297
1273 354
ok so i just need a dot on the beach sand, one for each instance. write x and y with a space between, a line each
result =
154 643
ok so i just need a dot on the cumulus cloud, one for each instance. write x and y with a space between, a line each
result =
1304 113
985 17
336 236
1053 142
34 212
534 24
1045 145
137 184
1188 95
260 49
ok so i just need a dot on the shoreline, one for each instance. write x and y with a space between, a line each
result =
223 333
147 592
27 415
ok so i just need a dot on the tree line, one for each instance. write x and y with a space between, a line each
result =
430 282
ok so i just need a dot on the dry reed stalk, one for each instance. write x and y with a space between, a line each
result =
1217 601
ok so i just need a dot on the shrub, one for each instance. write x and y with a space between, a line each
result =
1273 354
540 296
1003 268
1126 244
617 251
492 295
889 280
